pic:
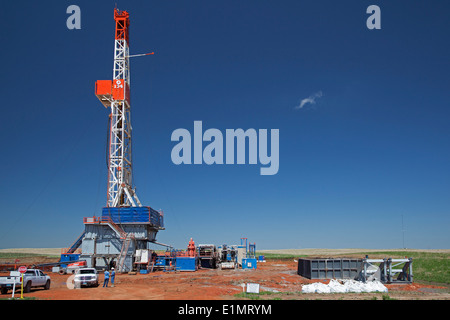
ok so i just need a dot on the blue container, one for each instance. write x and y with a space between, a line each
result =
134 215
261 258
249 263
143 271
186 263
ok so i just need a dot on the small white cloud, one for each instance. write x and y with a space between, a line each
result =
311 100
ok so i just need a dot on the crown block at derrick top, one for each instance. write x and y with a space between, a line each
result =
122 24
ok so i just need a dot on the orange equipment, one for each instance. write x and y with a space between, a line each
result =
122 25
191 248
77 264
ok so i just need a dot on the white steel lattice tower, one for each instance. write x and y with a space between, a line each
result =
116 94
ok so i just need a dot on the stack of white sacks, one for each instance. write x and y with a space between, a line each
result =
343 286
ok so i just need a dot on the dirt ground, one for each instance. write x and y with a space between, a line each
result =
278 276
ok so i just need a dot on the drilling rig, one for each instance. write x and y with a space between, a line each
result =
125 225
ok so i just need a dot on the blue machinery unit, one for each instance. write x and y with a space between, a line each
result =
69 258
249 262
175 260
187 263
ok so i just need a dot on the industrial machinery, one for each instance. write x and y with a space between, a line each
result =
208 256
249 261
234 256
191 251
227 257
125 225
177 260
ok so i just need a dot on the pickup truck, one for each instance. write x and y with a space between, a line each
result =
31 278
85 277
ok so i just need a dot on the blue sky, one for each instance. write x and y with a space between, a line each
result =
373 147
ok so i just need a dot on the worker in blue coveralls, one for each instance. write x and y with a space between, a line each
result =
113 275
105 282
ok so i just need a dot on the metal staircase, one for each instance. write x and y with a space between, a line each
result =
121 267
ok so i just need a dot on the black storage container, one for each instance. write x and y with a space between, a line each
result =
332 268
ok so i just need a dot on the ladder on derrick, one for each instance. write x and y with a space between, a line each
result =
121 267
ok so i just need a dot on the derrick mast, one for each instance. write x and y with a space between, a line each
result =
116 94
125 225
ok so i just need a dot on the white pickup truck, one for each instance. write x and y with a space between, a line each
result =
86 277
31 278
